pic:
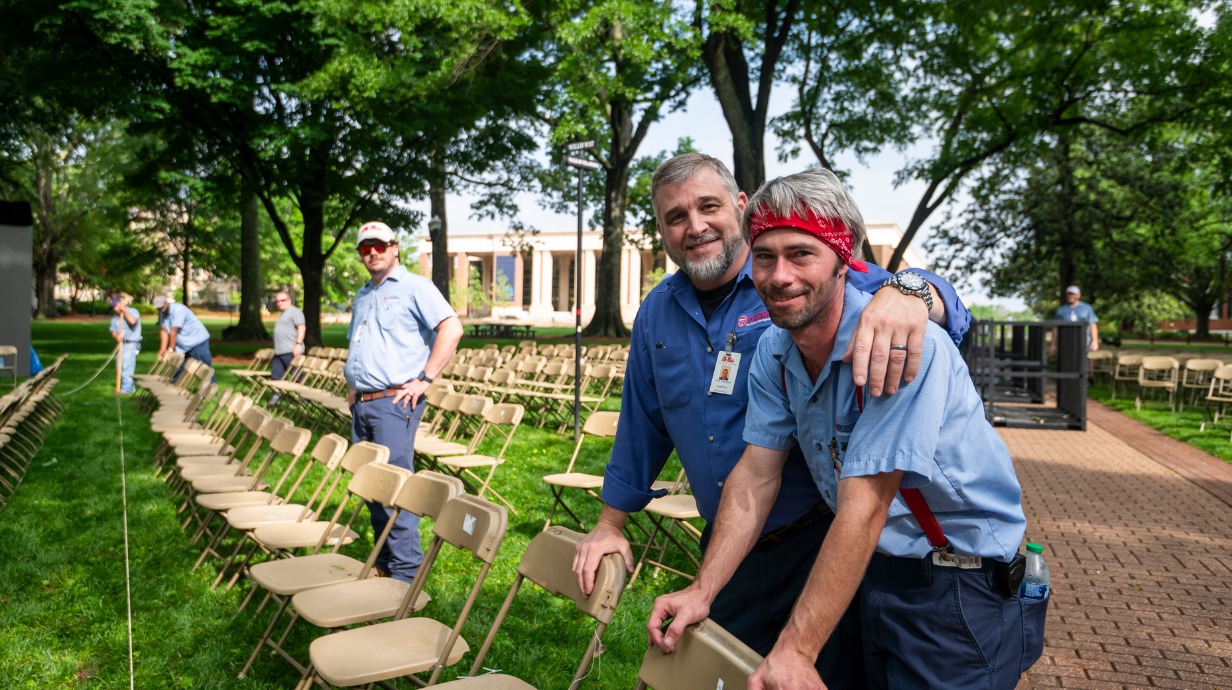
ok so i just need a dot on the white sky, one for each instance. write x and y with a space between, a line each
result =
871 184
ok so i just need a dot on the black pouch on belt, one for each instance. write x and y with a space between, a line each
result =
1009 575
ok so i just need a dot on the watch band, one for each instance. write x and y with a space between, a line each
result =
924 292
423 376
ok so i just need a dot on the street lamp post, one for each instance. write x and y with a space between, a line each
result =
582 164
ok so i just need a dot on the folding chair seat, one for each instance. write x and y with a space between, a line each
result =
363 599
706 657
502 420
1195 379
548 562
244 431
406 646
598 425
471 410
665 514
196 468
1102 364
1158 373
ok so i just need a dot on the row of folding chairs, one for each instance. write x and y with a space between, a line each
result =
375 629
25 415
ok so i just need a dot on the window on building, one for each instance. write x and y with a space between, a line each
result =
506 267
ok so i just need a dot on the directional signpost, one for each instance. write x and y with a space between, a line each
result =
582 164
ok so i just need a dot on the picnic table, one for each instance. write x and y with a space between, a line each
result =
502 330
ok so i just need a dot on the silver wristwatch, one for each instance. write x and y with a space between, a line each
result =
912 284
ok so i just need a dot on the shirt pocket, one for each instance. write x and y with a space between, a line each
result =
389 310
671 371
746 345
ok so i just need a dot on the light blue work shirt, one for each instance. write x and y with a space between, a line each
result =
932 428
666 402
131 333
192 331
1079 312
393 327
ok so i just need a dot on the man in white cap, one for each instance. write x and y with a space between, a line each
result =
1075 310
402 334
126 329
180 330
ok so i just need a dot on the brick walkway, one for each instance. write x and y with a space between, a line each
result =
1137 531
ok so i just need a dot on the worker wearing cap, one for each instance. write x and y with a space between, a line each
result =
1075 310
402 334
181 331
126 329
938 608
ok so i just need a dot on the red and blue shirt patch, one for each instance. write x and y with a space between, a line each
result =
750 320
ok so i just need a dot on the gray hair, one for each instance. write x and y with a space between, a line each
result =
677 169
816 189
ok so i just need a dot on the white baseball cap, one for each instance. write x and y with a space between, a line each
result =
376 230
160 301
1073 290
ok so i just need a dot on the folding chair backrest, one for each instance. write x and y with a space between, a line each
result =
292 441
270 429
330 450
475 405
706 657
548 562
601 424
378 483
362 454
1202 368
1127 363
474 524
425 493
503 377
1158 369
505 414
254 418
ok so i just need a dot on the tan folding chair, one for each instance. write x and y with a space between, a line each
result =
502 420
667 513
706 657
1158 373
469 414
548 562
406 646
598 425
1196 378
1219 395
362 599
1125 370
8 362
1102 364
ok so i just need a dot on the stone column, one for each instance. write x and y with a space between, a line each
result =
589 261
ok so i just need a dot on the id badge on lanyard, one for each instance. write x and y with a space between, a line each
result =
726 368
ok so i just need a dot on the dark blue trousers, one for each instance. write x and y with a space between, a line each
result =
381 421
757 602
928 626
278 366
199 352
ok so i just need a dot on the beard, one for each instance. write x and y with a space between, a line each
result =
715 266
818 302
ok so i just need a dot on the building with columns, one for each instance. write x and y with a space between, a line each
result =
537 286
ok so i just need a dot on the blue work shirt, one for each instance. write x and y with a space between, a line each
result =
192 331
1079 312
131 333
932 428
666 402
393 327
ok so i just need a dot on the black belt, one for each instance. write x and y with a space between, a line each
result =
132 341
782 534
1006 576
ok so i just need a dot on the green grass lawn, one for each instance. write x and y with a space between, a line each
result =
63 617
1183 425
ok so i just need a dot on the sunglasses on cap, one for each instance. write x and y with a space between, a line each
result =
378 247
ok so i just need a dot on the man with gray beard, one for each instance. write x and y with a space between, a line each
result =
708 316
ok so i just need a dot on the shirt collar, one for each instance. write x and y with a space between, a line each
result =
394 275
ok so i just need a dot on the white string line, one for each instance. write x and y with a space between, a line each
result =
91 380
127 578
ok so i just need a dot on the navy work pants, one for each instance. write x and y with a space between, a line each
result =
279 365
929 626
381 421
757 602
199 352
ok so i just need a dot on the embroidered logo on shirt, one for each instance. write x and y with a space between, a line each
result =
746 320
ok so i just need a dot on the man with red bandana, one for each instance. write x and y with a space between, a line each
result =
706 318
926 508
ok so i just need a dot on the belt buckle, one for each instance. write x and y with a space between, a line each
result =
946 559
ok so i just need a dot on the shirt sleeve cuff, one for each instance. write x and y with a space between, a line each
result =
917 470
623 496
771 441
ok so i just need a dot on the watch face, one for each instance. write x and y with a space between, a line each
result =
911 281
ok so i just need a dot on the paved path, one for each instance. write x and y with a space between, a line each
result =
1137 531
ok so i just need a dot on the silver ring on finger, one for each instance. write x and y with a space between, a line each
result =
899 347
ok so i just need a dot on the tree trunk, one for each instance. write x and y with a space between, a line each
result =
185 267
607 320
440 242
45 284
1204 321
312 262
250 326
729 76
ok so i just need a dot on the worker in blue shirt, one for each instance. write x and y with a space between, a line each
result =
1075 310
182 331
939 605
126 329
402 334
671 401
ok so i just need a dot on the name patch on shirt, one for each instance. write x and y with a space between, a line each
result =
749 320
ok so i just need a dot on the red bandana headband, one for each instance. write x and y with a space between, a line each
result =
831 231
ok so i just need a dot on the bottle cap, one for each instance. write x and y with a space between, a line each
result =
1034 548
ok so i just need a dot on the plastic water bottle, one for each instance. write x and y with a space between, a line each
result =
1037 580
